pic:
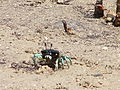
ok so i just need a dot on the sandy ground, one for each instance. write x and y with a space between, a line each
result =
24 26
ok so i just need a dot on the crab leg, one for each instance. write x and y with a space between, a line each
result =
65 59
57 64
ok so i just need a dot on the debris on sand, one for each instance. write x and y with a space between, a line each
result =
69 31
99 9
117 19
34 3
110 17
65 2
3 61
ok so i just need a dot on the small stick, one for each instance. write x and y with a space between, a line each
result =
67 30
64 25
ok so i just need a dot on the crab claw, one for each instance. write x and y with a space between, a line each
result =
35 57
48 57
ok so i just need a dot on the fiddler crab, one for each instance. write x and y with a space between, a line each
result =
52 58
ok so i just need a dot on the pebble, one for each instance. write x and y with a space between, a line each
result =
119 55
46 38
105 48
7 47
7 15
97 75
34 85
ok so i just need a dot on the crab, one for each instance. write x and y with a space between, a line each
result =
52 58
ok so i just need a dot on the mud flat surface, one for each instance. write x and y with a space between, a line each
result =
95 47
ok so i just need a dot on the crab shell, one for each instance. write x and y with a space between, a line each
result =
50 54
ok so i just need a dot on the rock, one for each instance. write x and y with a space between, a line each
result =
105 48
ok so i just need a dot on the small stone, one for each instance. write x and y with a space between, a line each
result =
46 27
7 15
119 55
46 38
97 75
7 47
105 48
34 85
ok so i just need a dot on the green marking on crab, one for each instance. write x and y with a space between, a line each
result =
39 56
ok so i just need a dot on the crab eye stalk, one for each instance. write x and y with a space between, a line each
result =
45 45
51 46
